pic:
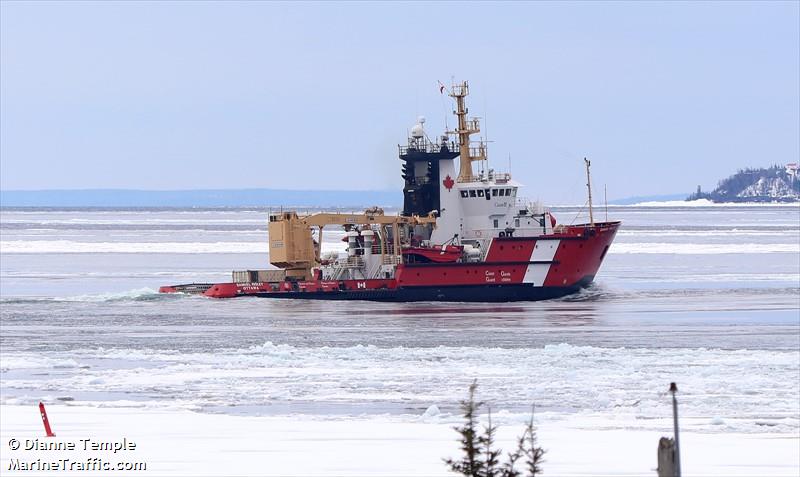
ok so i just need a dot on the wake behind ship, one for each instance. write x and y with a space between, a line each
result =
462 236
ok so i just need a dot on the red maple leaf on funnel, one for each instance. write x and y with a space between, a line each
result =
448 182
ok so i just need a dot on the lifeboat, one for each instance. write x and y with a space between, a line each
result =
445 254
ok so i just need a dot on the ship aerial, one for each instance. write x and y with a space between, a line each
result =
462 236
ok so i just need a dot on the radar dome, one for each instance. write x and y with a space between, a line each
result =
417 132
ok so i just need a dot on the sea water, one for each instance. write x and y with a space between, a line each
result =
708 297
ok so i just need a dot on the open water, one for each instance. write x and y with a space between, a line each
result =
708 297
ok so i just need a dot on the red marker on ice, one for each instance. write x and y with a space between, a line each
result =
45 421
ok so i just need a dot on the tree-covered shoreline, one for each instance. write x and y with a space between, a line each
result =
771 184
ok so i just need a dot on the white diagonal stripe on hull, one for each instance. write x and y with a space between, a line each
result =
543 251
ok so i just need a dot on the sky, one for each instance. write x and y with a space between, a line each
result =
157 95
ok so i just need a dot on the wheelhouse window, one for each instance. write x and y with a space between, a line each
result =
494 192
464 194
495 223
472 193
502 192
480 192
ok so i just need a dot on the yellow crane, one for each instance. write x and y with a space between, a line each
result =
292 246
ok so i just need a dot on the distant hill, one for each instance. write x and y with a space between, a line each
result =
198 198
647 198
772 184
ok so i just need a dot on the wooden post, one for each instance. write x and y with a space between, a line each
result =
673 388
666 457
669 455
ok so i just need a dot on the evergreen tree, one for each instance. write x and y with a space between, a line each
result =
481 458
534 455
491 454
472 463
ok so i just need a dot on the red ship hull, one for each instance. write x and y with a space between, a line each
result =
515 269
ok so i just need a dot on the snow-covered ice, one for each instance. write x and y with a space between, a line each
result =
182 443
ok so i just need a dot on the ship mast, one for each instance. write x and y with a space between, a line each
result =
589 187
466 127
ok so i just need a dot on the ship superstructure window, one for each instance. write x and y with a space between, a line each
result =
502 192
516 222
494 192
480 192
464 194
472 193
495 223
